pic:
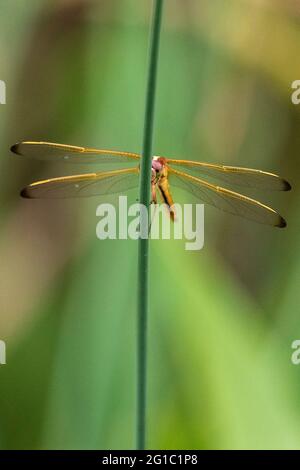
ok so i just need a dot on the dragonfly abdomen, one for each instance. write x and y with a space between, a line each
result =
164 190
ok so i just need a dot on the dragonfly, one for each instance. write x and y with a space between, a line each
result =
192 176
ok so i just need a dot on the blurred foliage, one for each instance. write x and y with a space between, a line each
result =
222 320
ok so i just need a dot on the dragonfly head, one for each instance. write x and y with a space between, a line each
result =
158 164
158 169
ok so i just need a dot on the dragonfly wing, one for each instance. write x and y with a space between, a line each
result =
234 175
226 200
88 184
71 153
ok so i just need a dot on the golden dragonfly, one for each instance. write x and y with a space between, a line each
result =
165 172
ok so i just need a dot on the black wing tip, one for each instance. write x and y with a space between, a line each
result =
24 193
15 149
286 186
282 223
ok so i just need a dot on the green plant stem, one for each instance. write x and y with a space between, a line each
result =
143 267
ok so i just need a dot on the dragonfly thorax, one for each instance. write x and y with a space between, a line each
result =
158 169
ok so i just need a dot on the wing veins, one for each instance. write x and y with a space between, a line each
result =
236 175
66 181
70 153
251 206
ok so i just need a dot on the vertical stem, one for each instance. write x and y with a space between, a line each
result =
145 186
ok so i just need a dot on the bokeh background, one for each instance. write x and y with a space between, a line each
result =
223 319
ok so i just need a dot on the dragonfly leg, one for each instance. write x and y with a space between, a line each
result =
153 191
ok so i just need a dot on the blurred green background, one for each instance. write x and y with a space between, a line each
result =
222 319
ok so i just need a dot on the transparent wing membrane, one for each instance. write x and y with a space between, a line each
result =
119 181
226 200
71 153
85 185
233 175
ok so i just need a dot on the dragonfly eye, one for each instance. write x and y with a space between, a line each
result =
156 165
